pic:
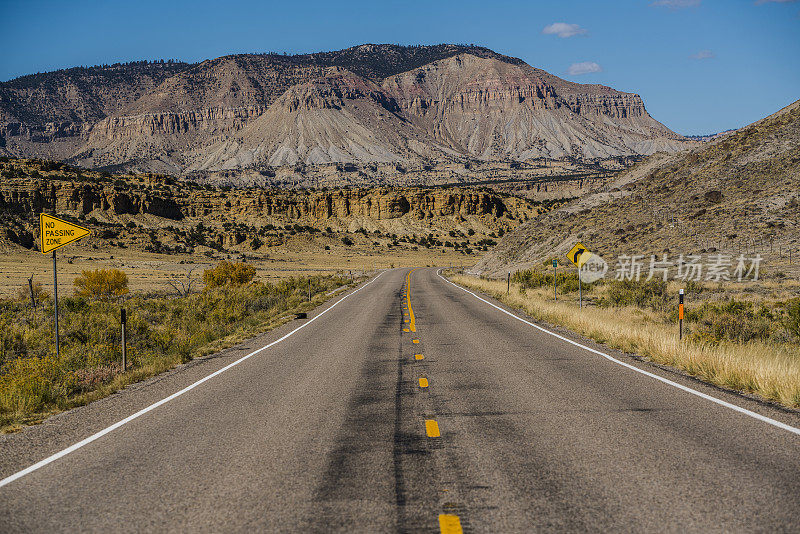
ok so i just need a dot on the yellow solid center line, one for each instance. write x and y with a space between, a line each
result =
419 357
423 382
432 428
405 329
411 323
416 341
449 524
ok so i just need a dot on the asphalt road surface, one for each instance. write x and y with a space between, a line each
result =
331 429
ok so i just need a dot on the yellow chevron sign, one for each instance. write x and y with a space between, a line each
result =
579 255
55 233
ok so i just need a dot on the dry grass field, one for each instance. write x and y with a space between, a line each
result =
150 272
750 346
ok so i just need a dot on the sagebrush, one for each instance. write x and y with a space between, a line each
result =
162 331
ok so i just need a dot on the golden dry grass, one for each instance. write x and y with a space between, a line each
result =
769 370
150 272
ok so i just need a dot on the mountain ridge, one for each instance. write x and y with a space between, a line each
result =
180 117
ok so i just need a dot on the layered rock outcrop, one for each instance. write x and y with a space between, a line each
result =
28 197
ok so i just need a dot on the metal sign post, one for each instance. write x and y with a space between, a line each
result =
55 302
579 255
508 281
555 274
54 233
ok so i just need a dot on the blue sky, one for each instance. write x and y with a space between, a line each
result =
701 66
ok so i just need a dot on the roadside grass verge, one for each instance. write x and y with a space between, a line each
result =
162 332
766 364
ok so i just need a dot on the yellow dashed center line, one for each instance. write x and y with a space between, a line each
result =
432 428
449 524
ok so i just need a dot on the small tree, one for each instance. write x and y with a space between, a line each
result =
182 282
229 273
101 284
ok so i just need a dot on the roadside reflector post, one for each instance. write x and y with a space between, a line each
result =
680 315
55 303
555 273
508 280
123 320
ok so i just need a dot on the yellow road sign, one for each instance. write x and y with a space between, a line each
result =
579 255
55 233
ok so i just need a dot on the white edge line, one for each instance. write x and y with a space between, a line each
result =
739 409
50 459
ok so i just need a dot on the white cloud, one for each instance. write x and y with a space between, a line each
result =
562 29
759 2
703 54
676 4
585 67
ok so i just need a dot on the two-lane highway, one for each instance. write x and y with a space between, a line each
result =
409 405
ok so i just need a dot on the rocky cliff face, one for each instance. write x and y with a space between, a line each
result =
372 103
29 197
152 201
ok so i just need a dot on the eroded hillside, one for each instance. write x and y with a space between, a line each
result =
739 194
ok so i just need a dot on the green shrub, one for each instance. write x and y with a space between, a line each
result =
644 294
793 317
532 278
161 332
734 320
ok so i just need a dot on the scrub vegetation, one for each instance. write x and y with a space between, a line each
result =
162 331
744 337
